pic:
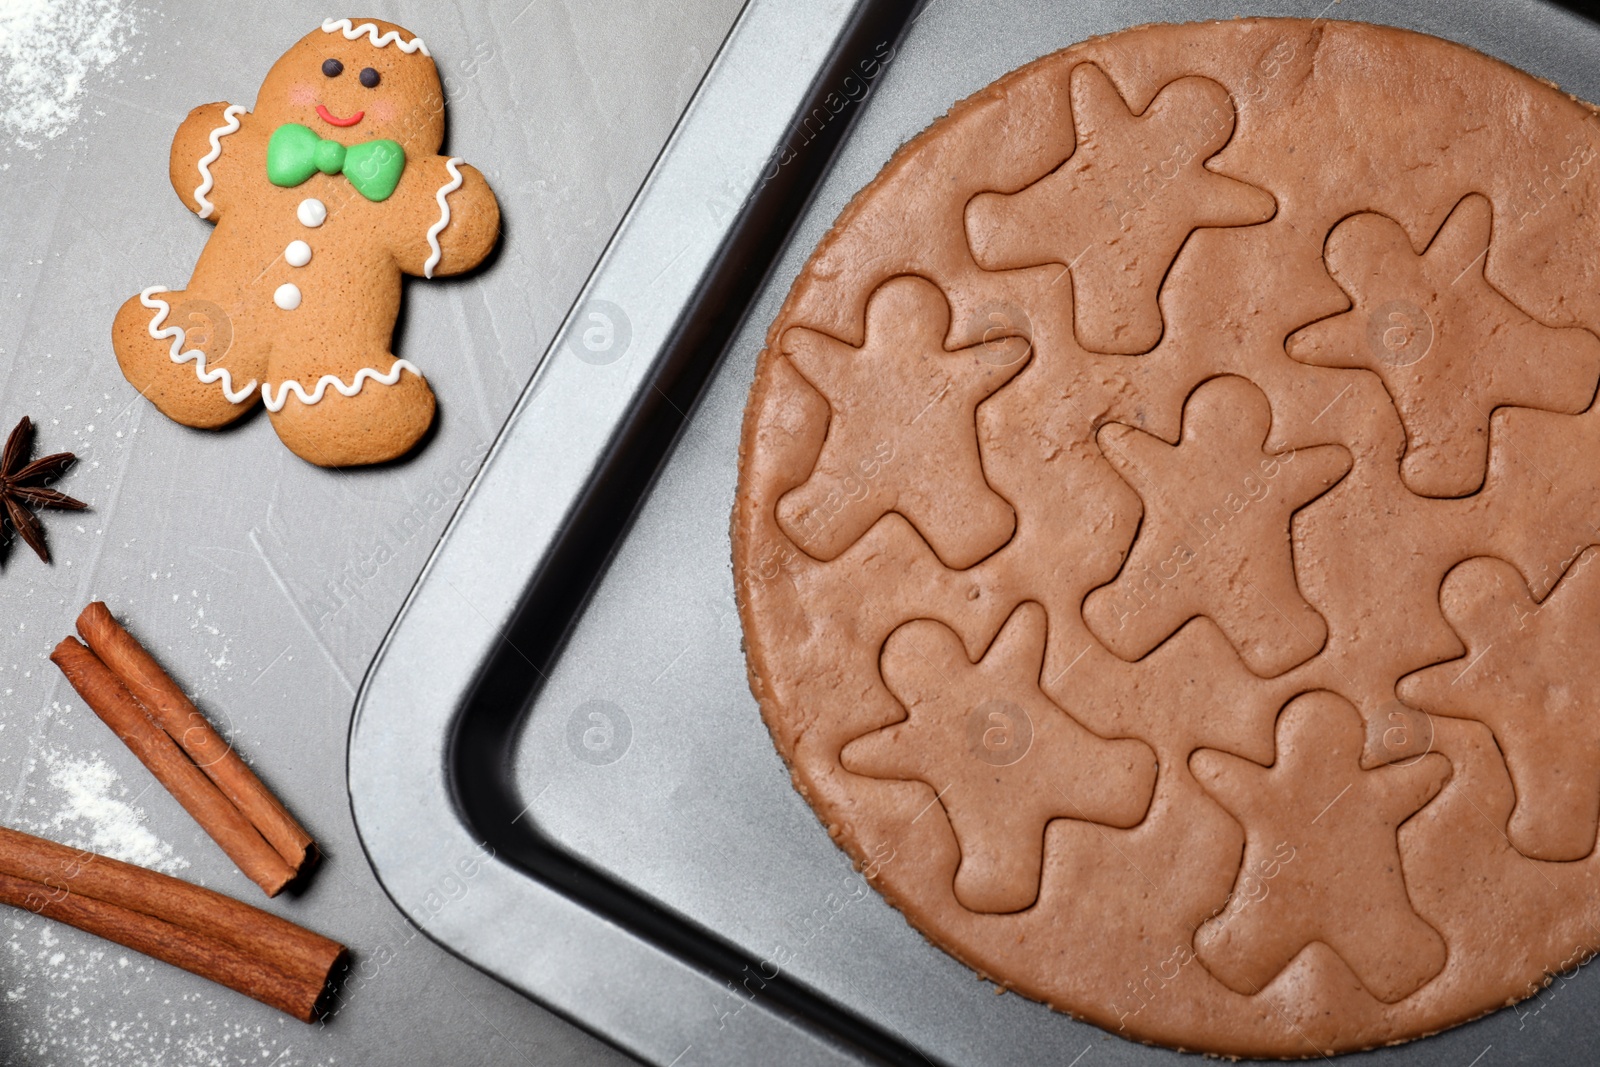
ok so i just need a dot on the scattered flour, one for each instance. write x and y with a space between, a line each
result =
94 815
70 1006
48 49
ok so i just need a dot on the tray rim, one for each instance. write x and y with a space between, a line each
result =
406 800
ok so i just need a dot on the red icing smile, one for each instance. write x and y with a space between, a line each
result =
328 117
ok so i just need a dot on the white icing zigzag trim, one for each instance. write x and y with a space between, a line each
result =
235 396
231 115
161 307
444 213
362 376
392 37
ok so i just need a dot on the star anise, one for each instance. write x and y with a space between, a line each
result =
22 488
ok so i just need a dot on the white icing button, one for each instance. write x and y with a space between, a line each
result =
311 212
287 297
298 254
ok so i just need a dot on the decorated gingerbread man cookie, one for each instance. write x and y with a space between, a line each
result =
323 196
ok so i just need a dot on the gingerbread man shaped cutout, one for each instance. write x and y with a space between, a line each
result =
323 196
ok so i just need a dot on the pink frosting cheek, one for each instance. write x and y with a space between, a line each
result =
303 94
384 111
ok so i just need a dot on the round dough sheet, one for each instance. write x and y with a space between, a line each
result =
1163 535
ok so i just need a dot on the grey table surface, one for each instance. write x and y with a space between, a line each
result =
265 584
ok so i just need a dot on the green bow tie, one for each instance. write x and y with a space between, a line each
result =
295 153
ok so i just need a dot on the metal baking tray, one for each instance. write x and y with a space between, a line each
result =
556 766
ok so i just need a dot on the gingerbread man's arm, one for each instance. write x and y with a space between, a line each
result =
450 239
207 159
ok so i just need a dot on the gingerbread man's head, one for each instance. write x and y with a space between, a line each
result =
358 80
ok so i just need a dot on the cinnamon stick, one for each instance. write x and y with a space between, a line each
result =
105 694
196 908
175 713
246 949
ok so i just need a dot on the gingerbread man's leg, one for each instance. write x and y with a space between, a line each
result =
347 405
193 359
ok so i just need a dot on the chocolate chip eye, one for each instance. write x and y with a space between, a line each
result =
332 68
369 78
